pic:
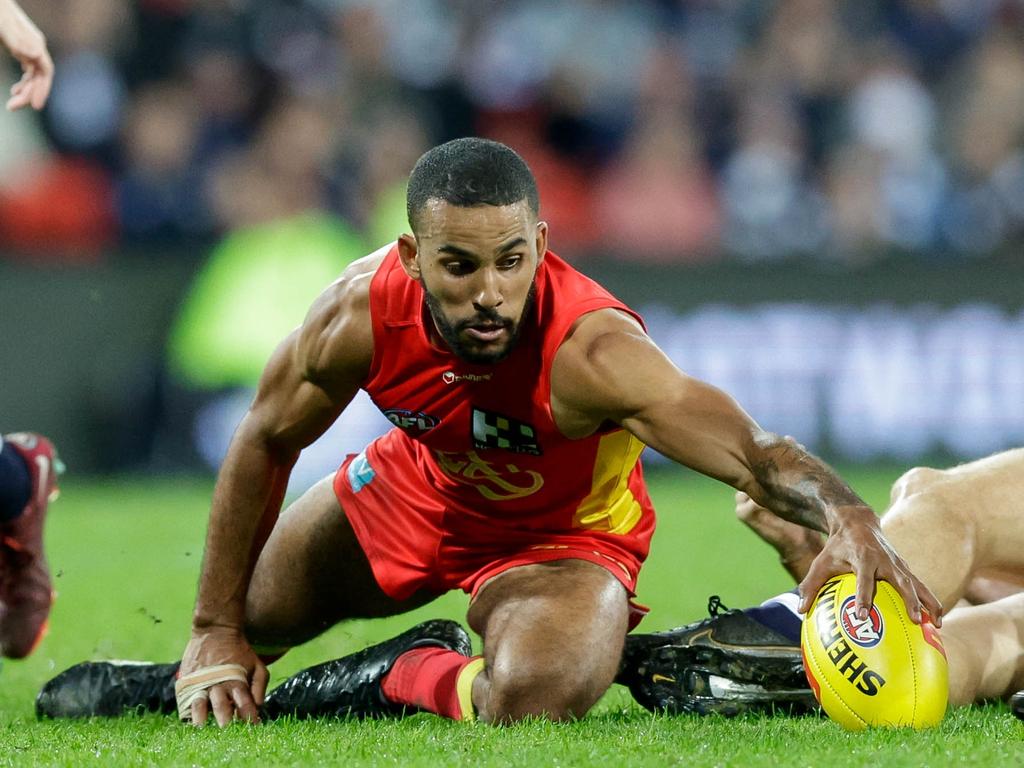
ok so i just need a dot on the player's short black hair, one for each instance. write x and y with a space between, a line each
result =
468 172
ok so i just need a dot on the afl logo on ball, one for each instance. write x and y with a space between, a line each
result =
867 633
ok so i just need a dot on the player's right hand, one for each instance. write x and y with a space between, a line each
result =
212 646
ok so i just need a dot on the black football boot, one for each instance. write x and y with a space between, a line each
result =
1017 704
350 686
729 663
109 689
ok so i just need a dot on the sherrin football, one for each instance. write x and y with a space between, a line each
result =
882 671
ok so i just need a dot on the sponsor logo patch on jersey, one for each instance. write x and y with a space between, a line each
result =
412 422
494 480
492 430
451 377
867 633
360 473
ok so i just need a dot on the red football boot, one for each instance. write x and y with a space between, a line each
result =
26 592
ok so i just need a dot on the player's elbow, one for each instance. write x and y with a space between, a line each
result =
257 433
765 456
772 442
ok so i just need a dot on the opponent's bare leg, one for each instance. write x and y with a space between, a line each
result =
553 636
957 524
311 574
991 584
985 649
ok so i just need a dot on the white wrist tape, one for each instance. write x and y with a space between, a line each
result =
196 686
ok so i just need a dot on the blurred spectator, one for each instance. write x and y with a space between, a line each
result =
772 207
657 199
806 54
987 135
566 190
156 191
852 179
391 149
658 129
88 37
657 202
281 174
911 181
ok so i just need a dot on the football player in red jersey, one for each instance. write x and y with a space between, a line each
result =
522 395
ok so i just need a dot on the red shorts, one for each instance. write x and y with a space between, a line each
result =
404 527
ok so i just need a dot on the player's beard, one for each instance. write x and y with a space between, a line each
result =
452 332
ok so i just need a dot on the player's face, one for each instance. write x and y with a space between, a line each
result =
477 266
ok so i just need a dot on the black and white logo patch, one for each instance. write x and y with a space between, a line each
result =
413 422
492 430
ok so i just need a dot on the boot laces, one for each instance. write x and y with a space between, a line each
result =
716 606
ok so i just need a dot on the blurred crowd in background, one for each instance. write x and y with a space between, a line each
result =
685 130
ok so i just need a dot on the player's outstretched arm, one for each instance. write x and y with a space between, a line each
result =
309 380
610 370
27 44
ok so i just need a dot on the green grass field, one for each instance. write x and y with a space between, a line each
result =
126 555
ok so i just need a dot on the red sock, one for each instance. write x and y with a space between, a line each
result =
434 679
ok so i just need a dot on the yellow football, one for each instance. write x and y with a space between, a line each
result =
881 671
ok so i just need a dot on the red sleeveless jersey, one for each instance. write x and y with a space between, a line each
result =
483 436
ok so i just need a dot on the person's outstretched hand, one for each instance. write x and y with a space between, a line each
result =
28 45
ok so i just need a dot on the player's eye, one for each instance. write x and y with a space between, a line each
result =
510 263
458 268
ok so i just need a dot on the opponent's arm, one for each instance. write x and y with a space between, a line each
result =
609 370
309 380
27 44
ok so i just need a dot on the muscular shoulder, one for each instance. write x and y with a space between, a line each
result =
336 338
589 370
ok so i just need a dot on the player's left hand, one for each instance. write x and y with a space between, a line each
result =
218 648
28 45
858 546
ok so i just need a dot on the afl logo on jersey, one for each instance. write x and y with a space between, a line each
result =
867 633
412 422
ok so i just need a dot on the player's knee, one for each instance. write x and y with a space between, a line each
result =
258 632
915 481
534 690
921 502
266 627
